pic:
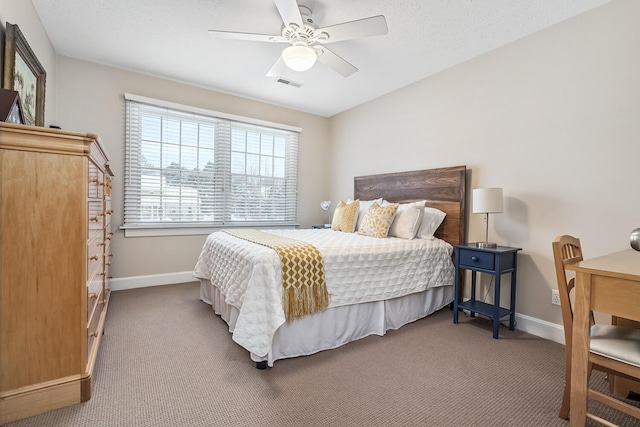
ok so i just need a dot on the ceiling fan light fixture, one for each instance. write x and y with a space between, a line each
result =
299 57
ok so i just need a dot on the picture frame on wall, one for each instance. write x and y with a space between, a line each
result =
24 74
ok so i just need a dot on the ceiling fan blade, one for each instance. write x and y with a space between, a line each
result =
278 68
333 61
244 36
366 27
289 12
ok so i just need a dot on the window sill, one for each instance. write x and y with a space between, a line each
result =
194 231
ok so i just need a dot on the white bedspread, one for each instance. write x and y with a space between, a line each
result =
357 269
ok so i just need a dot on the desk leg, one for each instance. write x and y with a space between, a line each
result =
580 350
512 303
496 304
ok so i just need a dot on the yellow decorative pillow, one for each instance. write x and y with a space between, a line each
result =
377 220
345 217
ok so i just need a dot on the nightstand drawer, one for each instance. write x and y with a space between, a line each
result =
476 259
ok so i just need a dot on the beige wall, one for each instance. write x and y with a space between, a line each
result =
91 99
554 119
22 14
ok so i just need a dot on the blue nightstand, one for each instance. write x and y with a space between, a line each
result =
496 261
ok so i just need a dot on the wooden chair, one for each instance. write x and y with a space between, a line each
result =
613 349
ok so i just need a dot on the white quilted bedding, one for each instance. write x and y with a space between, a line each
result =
357 269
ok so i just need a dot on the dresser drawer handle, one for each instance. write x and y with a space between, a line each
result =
93 334
93 295
95 257
474 258
94 218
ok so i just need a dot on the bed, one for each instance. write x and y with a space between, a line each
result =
369 293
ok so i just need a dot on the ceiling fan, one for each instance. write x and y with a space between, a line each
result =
308 41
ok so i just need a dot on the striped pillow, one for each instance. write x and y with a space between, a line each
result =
345 217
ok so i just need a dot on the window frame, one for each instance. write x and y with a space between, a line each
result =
131 198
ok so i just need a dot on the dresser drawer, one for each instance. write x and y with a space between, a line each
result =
107 214
108 185
94 294
95 218
94 256
476 259
93 325
96 182
108 256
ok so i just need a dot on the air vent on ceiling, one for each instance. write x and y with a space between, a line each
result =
288 83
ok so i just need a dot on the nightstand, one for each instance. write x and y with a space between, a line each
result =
496 261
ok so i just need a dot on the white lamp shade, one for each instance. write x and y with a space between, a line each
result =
487 200
299 58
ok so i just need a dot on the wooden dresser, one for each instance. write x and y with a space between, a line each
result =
55 234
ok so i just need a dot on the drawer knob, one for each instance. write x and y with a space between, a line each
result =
93 295
93 334
94 218
95 257
474 258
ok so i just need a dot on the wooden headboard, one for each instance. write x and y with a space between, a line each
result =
442 188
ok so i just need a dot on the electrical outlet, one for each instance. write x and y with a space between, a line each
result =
555 297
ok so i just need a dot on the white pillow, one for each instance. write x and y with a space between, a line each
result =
431 220
363 208
407 221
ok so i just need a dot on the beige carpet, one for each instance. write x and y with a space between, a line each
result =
167 360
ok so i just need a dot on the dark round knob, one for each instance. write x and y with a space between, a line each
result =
474 258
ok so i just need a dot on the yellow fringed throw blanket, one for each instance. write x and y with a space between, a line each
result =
304 287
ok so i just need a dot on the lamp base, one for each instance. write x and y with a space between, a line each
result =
486 245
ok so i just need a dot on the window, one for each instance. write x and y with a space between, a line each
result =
191 168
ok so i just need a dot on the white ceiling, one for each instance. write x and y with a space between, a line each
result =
169 39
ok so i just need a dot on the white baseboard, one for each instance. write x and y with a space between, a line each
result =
134 282
540 328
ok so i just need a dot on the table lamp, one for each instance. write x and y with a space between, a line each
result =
325 205
486 201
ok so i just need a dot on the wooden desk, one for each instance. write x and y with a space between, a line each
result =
607 284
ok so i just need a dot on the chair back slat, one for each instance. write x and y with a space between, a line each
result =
566 250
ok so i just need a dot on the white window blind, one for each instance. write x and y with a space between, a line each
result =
197 169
